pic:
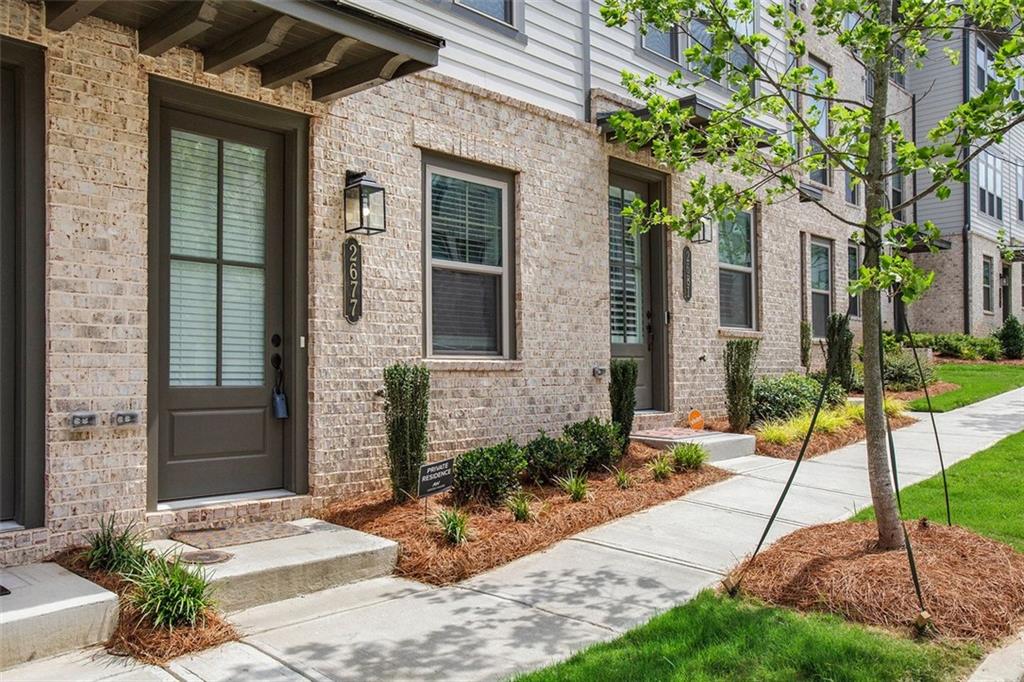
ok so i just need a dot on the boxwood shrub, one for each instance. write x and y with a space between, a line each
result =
488 474
781 397
599 442
548 458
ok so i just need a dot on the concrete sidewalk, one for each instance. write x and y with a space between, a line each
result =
543 607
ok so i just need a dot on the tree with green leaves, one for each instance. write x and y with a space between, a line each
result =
818 130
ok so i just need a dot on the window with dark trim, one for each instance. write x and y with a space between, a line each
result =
468 230
821 286
1020 189
737 272
990 185
853 273
898 73
852 190
819 72
896 187
984 64
986 283
664 43
499 10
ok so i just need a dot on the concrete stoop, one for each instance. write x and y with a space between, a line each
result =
51 610
720 446
272 570
646 420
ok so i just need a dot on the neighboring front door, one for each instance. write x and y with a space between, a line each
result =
221 300
8 295
629 258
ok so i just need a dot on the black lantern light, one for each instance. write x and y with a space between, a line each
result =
706 232
365 212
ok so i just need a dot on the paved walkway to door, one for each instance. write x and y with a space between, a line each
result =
543 607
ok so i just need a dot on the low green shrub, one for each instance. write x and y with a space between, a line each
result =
739 358
961 346
777 432
622 393
117 551
688 456
1011 337
575 486
519 503
783 396
900 371
623 479
599 442
547 458
454 524
488 474
169 593
661 467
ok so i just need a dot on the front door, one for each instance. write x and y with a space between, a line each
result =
221 301
8 296
629 259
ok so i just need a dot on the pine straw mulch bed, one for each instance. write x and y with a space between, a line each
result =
973 587
135 636
938 388
821 443
495 538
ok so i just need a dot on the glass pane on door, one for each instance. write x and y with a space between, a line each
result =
243 329
625 272
193 324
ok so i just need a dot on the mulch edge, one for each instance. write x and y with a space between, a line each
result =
134 635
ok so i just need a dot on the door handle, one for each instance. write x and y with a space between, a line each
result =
275 361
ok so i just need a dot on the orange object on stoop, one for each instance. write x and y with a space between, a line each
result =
696 420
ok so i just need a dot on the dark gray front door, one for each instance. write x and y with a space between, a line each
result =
629 259
8 297
221 303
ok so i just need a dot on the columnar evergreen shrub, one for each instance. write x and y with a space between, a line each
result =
406 408
805 344
1011 336
739 358
489 474
548 458
839 349
622 392
599 442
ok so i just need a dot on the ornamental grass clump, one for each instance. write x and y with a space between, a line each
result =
115 551
661 467
575 486
454 524
169 593
406 409
739 358
489 474
623 479
520 504
688 456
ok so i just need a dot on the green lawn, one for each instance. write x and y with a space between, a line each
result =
984 493
976 382
717 638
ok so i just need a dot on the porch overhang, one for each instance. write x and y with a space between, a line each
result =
921 244
340 48
702 112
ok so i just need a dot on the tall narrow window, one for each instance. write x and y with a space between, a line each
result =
819 73
896 188
821 286
986 283
984 64
990 185
737 280
853 273
625 271
1020 189
500 10
468 297
898 74
852 190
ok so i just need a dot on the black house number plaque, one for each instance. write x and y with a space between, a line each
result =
352 262
687 273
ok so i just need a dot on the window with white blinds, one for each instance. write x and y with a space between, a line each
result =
821 287
468 278
736 272
217 247
625 271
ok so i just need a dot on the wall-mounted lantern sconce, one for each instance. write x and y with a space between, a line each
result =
706 234
365 212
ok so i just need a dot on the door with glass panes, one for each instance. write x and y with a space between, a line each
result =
629 271
221 300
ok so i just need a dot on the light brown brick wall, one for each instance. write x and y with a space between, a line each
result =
97 281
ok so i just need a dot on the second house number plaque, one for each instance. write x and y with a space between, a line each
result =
352 262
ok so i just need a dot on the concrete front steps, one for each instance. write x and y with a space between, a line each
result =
51 610
272 570
720 446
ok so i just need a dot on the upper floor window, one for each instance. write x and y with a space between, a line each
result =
986 283
896 188
819 72
821 287
665 43
984 63
500 10
990 185
468 287
897 75
869 85
852 274
670 45
852 190
1020 189
737 262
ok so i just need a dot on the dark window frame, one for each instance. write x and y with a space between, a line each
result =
514 29
853 249
27 63
508 332
821 176
830 293
987 283
753 270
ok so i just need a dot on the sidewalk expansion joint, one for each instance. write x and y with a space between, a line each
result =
313 675
747 512
557 614
810 487
649 555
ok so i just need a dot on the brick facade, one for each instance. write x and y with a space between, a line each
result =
98 299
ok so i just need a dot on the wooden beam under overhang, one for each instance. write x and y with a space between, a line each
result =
177 26
63 14
360 76
251 43
307 62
